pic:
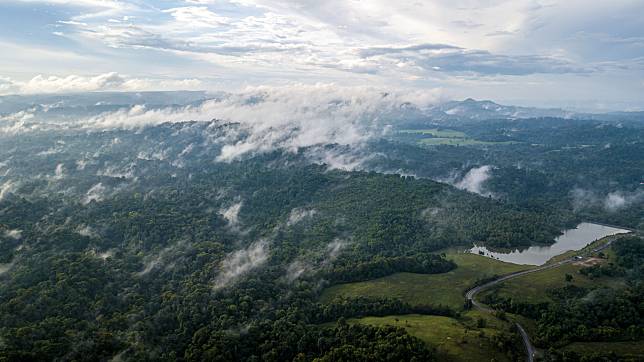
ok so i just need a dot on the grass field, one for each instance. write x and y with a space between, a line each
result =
531 288
588 248
428 289
437 141
444 133
454 340
446 137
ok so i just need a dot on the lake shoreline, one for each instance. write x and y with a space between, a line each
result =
584 234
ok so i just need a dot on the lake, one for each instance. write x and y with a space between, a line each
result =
572 239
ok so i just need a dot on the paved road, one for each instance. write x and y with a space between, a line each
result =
529 348
471 294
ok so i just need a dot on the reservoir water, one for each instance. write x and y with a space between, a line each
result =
572 239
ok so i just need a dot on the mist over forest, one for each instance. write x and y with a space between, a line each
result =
270 180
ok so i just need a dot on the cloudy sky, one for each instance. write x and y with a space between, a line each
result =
575 53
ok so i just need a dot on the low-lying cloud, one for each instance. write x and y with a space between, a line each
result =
295 270
59 172
286 118
13 233
328 255
95 193
231 213
615 201
611 202
86 230
298 214
334 249
474 180
239 263
6 188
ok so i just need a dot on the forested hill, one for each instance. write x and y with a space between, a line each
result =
142 244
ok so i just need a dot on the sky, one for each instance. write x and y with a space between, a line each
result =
564 53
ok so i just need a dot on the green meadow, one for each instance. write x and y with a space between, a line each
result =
428 289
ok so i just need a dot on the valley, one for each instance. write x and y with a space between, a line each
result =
133 238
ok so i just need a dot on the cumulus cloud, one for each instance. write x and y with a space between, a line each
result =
110 81
474 180
278 34
72 83
463 46
239 263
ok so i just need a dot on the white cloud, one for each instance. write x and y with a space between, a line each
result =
13 233
6 188
6 267
474 180
447 58
295 270
106 254
72 83
197 17
118 171
111 81
151 262
231 213
296 215
334 249
95 193
86 230
115 4
287 117
582 198
81 164
239 263
545 49
612 202
59 172
615 201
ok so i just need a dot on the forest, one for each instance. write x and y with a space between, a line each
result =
141 245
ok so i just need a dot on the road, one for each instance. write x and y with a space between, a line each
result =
471 294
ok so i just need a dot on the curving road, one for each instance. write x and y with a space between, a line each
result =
471 294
